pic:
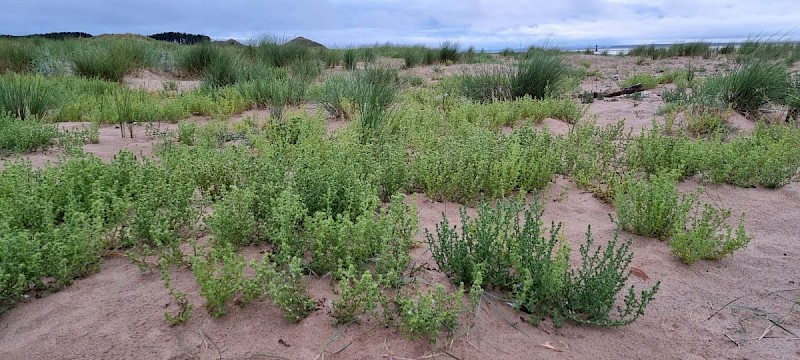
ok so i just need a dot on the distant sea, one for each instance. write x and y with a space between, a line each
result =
617 49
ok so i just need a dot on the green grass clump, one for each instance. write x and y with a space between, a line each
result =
765 49
16 55
368 93
350 59
679 49
109 61
279 54
26 96
18 136
748 88
486 84
449 53
538 76
196 60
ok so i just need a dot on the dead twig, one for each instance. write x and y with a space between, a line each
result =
731 339
723 307
219 353
262 355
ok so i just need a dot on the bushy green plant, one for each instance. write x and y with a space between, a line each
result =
709 237
287 287
499 250
17 136
767 158
653 151
425 316
358 296
184 306
233 221
648 81
652 207
594 156
186 132
485 244
466 166
396 232
705 122
592 291
219 274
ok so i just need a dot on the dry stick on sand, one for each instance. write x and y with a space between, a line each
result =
723 307
624 91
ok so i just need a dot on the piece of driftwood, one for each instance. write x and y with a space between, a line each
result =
624 91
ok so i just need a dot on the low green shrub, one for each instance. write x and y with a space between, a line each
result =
219 274
652 207
18 136
287 287
648 81
425 316
233 220
769 158
503 252
592 290
709 237
358 296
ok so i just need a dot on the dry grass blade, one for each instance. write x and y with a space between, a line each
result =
549 345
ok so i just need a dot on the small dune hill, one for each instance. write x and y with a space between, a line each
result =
229 42
301 41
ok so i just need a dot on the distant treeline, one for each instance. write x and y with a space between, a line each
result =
181 38
174 37
53 35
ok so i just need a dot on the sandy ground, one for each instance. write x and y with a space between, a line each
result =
147 80
708 310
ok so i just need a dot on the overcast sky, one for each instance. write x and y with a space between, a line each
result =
484 24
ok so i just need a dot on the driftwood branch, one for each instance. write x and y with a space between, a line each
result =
624 91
